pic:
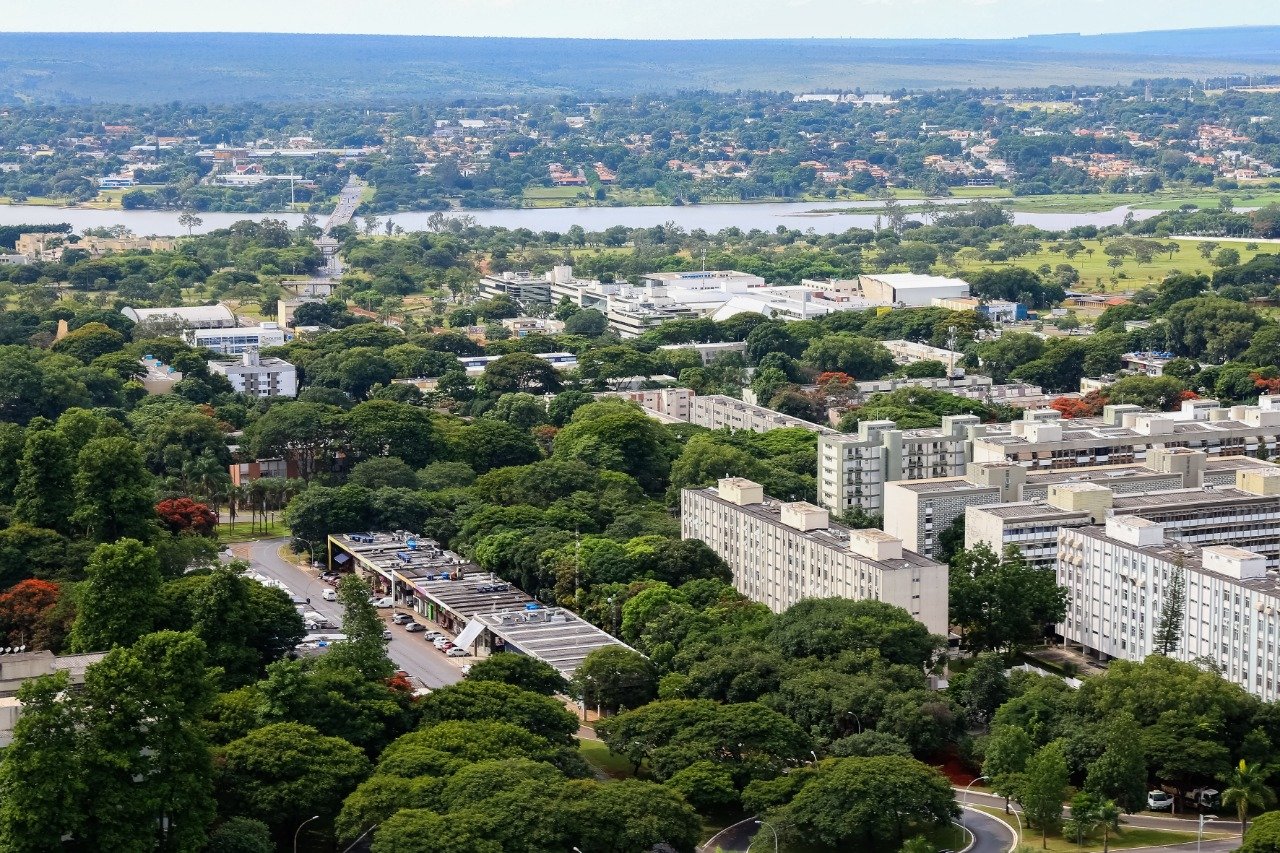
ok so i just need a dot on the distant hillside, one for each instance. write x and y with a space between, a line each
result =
149 67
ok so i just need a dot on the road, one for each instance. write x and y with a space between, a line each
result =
410 652
990 835
1148 821
348 201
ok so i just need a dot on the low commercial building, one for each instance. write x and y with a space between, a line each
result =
525 288
237 340
522 327
485 613
159 377
19 666
474 365
909 290
782 553
910 352
185 317
710 352
1119 577
258 376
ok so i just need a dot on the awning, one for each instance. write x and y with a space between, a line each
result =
341 558
469 634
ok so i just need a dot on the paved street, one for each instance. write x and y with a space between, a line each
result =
410 652
1148 821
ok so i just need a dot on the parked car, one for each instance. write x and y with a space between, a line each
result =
432 636
329 594
413 627
447 646
386 634
456 652
1204 798
386 601
401 618
441 641
1159 801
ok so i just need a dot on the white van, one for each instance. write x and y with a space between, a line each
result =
329 595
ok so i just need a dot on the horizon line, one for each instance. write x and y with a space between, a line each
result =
732 39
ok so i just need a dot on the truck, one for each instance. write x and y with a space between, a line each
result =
1203 798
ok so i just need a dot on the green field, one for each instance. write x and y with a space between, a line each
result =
1094 267
1168 200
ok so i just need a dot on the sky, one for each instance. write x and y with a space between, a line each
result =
640 19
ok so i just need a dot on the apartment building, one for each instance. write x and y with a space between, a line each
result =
782 553
710 352
1118 577
666 405
715 411
1246 515
523 287
973 387
917 511
852 468
910 352
258 376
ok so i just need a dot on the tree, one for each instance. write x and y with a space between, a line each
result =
41 788
1263 835
828 627
44 495
1169 630
862 358
541 715
1246 788
385 428
1007 750
378 798
120 599
364 649
487 444
519 670
240 835
422 831
618 437
1002 603
384 471
29 615
626 816
867 803
1042 789
183 515
706 785
1089 813
519 371
189 221
115 496
612 678
589 323
1119 774
284 773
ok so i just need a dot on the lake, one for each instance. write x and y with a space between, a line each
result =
708 217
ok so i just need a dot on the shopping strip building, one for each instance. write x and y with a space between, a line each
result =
853 469
781 553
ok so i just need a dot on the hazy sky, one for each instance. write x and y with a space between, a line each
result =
641 18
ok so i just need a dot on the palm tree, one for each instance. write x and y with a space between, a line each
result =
1108 814
1246 788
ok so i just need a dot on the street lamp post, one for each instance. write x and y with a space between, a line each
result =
964 798
857 719
1017 817
1200 828
352 845
771 829
299 829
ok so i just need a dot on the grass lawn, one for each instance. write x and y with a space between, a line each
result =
546 197
110 199
1126 838
243 531
42 201
1094 267
601 759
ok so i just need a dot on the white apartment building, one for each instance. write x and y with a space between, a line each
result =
716 411
1246 515
666 405
851 468
710 352
236 340
910 352
782 553
258 376
917 511
1117 578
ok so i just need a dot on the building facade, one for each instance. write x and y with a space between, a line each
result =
258 376
237 340
782 553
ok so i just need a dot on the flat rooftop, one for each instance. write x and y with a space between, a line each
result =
551 634
1190 558
412 557
834 536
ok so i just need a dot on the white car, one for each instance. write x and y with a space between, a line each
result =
440 641
432 636
1159 801
386 634
457 652
329 595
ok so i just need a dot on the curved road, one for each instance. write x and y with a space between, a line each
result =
990 835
